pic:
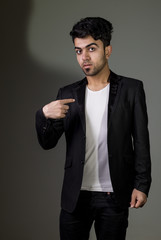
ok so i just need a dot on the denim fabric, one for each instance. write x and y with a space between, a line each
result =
110 220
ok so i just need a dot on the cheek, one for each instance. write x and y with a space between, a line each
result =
103 58
98 57
79 60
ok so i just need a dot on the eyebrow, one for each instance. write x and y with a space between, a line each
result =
87 45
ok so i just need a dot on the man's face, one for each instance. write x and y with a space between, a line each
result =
91 55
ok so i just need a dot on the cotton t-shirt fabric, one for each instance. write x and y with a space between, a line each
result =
96 175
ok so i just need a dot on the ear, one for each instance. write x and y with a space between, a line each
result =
108 51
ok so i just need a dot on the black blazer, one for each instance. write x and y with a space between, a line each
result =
128 139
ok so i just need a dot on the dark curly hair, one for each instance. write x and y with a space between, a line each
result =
97 27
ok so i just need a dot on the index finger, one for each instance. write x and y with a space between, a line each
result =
65 101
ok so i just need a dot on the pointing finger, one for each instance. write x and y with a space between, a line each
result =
66 101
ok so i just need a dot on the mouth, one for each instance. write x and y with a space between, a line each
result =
87 65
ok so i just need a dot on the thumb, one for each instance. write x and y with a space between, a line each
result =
133 201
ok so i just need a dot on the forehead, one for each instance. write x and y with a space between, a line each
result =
83 42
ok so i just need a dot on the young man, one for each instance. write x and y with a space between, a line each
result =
104 118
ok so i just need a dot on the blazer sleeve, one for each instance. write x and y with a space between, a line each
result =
48 130
141 142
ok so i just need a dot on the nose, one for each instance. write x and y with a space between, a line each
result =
85 56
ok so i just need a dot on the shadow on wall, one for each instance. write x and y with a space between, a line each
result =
27 85
20 71
32 185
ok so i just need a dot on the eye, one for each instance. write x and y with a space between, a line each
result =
91 49
78 52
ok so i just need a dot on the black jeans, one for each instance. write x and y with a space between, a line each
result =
110 221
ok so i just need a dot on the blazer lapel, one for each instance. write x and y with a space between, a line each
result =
115 87
79 94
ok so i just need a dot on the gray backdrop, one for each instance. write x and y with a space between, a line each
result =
37 58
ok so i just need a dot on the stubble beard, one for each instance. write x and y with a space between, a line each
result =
95 70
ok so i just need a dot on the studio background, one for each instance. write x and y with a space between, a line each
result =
37 58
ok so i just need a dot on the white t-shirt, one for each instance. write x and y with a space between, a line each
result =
96 176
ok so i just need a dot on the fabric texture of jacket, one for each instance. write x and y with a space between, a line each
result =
127 140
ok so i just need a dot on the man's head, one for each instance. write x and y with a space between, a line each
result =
96 27
91 37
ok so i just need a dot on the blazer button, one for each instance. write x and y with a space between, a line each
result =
44 129
82 162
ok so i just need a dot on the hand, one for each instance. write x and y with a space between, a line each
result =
138 199
57 109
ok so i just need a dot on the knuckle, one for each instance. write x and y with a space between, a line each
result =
59 112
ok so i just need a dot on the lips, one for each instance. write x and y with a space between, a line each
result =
87 65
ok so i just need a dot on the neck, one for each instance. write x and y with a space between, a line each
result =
98 81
